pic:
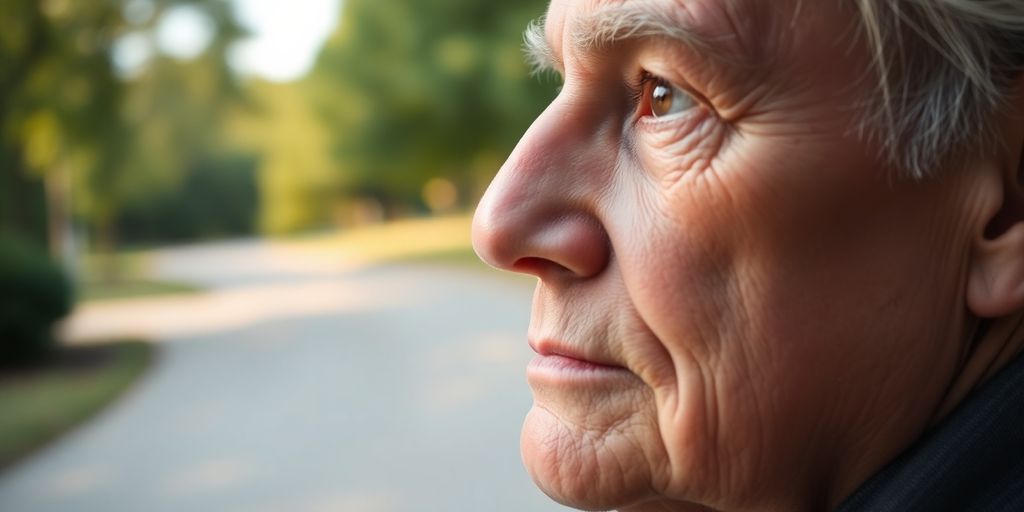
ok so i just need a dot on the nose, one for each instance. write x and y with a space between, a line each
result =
540 214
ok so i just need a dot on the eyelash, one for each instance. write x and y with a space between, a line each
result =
637 86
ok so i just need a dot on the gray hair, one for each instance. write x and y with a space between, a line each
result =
944 68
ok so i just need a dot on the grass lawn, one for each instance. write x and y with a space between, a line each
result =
436 240
404 240
121 276
40 403
124 288
431 241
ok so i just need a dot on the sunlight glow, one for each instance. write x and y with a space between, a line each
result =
184 32
131 52
286 39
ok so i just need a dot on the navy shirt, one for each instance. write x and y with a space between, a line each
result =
971 461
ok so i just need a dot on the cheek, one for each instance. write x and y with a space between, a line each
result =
674 238
672 229
768 286
675 251
718 265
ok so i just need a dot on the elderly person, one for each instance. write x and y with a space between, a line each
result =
780 251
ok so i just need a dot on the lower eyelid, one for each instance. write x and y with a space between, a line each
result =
680 122
694 109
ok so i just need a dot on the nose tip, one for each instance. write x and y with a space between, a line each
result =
487 242
493 240
522 234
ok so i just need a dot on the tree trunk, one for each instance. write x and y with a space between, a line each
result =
60 229
106 247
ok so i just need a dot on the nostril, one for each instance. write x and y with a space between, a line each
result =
542 245
522 228
538 266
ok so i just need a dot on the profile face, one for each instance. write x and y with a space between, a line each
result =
735 296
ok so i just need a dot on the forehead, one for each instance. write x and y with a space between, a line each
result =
719 20
789 39
752 31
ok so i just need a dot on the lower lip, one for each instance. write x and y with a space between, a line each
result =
558 367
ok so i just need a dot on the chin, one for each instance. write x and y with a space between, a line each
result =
582 468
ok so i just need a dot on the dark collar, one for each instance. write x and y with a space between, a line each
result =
972 461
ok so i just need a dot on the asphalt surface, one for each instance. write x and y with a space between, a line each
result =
301 384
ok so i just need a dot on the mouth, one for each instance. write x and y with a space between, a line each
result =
559 364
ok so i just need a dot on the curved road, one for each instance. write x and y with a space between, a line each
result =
298 383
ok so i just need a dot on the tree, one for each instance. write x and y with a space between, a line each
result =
414 90
298 179
170 123
57 100
68 119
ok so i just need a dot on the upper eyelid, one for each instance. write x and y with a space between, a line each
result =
648 77
691 92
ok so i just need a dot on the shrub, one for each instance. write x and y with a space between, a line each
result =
34 294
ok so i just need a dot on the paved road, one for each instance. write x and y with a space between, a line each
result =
298 385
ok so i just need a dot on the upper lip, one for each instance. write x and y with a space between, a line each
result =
551 347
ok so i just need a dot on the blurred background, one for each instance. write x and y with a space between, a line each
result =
235 270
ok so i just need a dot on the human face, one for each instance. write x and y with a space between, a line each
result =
735 296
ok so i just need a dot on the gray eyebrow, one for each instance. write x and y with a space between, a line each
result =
610 25
537 50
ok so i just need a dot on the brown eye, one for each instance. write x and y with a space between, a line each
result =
661 100
666 99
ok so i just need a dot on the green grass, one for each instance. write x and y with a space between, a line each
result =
431 241
405 240
122 263
41 403
466 258
123 275
129 288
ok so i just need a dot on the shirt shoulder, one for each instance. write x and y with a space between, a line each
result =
971 461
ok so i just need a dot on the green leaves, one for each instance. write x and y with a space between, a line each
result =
405 94
430 89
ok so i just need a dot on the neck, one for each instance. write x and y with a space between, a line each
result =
994 344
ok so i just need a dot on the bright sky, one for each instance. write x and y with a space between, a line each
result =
286 36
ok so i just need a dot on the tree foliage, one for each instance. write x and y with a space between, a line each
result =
58 94
298 180
34 294
405 92
413 90
65 112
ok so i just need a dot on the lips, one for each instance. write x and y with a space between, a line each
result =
560 367
563 363
557 355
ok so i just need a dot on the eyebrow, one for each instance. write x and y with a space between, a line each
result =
607 26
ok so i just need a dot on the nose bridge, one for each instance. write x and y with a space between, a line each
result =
539 168
537 216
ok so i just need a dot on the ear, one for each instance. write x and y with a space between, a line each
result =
995 283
